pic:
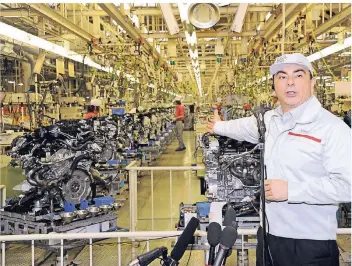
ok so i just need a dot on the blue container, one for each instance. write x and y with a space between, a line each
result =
84 204
203 208
118 111
69 207
107 200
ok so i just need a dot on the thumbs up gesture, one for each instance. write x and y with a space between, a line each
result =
211 123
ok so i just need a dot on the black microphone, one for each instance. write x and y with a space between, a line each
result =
149 257
182 243
228 254
230 218
213 236
259 112
227 240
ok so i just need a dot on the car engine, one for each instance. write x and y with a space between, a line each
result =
57 167
232 172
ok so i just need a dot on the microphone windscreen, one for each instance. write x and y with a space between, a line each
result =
214 234
228 237
230 217
184 239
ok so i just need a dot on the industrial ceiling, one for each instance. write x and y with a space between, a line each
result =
232 47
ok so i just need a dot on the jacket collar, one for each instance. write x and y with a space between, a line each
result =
303 114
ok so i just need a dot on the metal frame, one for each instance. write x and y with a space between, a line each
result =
133 188
3 195
147 235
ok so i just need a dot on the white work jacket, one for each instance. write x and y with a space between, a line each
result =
310 148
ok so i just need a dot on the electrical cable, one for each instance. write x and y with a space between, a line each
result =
190 254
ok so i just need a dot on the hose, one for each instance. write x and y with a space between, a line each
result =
77 159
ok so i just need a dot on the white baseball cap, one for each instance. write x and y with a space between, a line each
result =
290 59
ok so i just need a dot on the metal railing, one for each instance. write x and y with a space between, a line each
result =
133 173
3 195
147 235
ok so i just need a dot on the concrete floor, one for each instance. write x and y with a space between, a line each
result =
105 252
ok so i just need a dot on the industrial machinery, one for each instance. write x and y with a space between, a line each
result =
231 180
63 190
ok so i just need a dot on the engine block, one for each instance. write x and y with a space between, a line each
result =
232 171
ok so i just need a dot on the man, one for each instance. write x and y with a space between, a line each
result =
93 109
179 118
308 163
191 115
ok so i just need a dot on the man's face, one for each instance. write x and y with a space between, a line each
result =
293 86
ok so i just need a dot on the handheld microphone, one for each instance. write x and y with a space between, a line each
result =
230 218
213 236
182 243
228 238
149 257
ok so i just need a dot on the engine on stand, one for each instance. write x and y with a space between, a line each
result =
232 179
63 190
156 131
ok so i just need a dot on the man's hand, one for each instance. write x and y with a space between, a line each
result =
211 123
276 190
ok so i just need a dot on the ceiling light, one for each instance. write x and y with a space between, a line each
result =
170 19
331 49
267 16
239 18
183 8
191 40
30 39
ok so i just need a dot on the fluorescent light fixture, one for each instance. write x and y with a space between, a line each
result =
20 84
30 39
239 18
183 8
267 16
193 54
191 41
170 19
258 28
114 22
331 49
130 89
11 82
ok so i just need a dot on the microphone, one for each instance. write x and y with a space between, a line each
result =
258 113
227 240
213 236
228 254
230 218
149 257
182 243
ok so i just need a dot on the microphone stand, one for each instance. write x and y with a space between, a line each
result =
261 129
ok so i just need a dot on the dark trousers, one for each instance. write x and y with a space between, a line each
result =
297 252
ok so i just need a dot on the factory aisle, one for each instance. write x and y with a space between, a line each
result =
161 186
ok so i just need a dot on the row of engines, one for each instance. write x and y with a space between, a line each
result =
76 160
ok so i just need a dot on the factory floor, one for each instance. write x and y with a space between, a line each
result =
105 252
